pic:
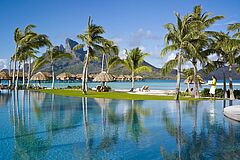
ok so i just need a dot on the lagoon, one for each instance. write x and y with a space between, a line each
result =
37 125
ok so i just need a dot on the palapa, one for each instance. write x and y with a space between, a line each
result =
103 77
40 76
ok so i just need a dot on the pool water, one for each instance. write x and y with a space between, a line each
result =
36 125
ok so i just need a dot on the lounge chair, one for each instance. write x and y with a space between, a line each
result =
98 88
145 89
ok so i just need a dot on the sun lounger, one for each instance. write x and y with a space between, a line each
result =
145 89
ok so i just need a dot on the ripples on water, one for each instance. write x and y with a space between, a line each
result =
42 126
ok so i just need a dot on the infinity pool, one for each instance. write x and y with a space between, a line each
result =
36 125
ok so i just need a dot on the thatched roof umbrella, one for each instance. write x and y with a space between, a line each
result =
92 76
138 78
40 76
65 76
103 77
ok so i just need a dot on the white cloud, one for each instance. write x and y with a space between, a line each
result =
3 64
141 35
117 40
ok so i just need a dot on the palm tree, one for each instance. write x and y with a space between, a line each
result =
133 62
235 28
177 39
92 39
26 42
200 21
51 55
17 37
112 62
189 76
109 48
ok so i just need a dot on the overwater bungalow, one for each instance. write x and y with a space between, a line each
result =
66 76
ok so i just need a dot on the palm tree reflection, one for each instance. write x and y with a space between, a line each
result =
133 119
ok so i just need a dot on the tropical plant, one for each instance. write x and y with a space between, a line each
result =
177 39
92 39
200 22
26 42
109 48
188 75
51 55
133 62
112 61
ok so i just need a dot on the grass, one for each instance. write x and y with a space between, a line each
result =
113 95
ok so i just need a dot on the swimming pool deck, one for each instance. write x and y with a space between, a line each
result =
232 112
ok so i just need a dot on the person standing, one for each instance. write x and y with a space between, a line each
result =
213 86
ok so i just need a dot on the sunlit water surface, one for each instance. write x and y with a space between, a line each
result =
36 125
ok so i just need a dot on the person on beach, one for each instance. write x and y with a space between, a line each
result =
213 86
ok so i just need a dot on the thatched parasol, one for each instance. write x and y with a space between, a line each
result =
103 77
65 76
40 76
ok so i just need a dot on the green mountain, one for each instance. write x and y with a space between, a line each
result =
75 65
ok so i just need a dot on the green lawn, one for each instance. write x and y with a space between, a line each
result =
113 95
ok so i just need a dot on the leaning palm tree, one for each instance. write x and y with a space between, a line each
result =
92 39
178 39
133 62
109 48
26 42
18 35
51 55
200 21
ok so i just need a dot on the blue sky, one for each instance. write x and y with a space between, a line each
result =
130 23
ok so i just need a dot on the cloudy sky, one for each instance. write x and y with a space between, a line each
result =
130 23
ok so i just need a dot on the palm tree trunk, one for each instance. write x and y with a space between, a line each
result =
189 89
103 57
29 72
132 81
14 66
196 90
53 75
16 85
85 72
178 75
230 82
23 72
224 84
9 72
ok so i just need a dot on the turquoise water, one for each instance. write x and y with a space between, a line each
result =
42 126
153 84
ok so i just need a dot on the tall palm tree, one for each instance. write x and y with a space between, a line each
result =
133 62
177 39
109 48
92 39
51 55
18 35
25 43
200 21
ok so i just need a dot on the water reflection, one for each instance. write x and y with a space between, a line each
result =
42 126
